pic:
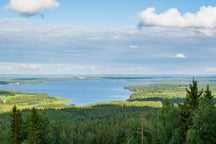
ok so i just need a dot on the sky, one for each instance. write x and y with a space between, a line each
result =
107 37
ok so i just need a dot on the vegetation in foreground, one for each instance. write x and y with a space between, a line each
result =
190 122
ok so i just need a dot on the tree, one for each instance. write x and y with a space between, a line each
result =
193 96
204 121
208 97
35 132
16 126
45 126
190 104
168 123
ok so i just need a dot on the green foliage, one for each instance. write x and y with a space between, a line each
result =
195 118
35 131
190 104
8 93
175 91
158 91
208 97
97 124
31 99
204 121
27 100
193 96
16 126
168 123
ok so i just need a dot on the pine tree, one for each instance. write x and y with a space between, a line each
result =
16 126
190 104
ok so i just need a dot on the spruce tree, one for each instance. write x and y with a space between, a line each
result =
208 97
35 128
16 126
190 104
193 96
204 121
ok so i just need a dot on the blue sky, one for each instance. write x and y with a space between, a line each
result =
107 37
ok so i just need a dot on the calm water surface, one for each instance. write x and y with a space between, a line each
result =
80 92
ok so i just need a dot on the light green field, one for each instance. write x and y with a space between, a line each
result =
155 104
27 100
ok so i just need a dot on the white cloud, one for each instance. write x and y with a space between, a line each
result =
180 55
133 46
31 7
208 32
205 18
210 69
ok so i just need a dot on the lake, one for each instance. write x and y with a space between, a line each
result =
81 92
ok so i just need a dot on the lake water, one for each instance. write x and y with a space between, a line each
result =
81 92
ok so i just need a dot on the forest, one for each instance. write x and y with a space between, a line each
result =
190 121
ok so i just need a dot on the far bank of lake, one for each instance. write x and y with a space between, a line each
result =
88 90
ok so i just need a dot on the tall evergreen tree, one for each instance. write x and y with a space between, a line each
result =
16 126
204 121
208 97
190 104
35 128
193 96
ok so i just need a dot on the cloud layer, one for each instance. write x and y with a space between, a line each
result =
32 68
67 49
204 18
31 7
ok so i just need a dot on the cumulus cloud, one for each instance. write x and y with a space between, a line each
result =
180 55
31 7
203 19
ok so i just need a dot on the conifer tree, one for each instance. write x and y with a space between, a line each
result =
16 126
35 129
208 97
190 104
204 121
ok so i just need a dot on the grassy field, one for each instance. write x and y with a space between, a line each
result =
27 100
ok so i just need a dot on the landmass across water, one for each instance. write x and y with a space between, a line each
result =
149 90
